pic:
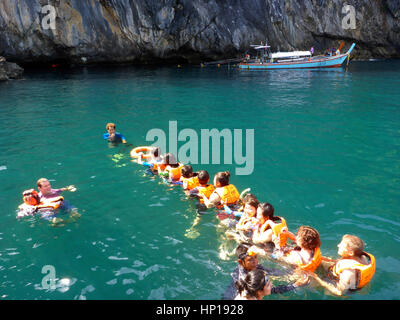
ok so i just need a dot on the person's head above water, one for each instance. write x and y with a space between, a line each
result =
170 160
155 152
112 135
110 127
250 204
308 238
265 211
187 171
203 177
350 246
44 186
221 179
255 285
246 257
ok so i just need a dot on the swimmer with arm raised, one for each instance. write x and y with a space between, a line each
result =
46 191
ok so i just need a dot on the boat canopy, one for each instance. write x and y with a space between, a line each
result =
290 54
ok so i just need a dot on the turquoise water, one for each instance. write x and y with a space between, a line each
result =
326 154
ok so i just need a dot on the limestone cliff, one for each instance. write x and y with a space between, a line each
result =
189 30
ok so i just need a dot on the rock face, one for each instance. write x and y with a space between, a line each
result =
9 70
147 31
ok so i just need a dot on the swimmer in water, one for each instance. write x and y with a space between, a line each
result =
248 220
307 255
189 178
270 228
352 271
224 193
46 193
172 168
204 189
154 162
248 264
112 136
45 190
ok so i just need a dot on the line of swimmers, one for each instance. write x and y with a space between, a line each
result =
256 225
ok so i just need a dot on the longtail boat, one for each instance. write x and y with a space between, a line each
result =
294 60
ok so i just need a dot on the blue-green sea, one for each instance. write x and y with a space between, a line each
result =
327 154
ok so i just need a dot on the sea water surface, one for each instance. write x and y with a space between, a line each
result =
327 146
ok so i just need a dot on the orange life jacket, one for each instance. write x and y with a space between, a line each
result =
190 183
277 228
174 173
206 191
277 232
31 197
228 194
366 270
250 221
314 263
53 203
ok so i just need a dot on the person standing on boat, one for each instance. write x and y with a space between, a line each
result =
312 51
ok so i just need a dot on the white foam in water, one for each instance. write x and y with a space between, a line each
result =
3 168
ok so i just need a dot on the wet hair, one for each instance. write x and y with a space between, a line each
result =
249 196
242 248
251 200
254 281
170 159
267 210
203 176
110 124
222 178
187 171
309 237
155 152
354 244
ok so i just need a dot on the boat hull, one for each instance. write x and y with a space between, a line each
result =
314 62
331 62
